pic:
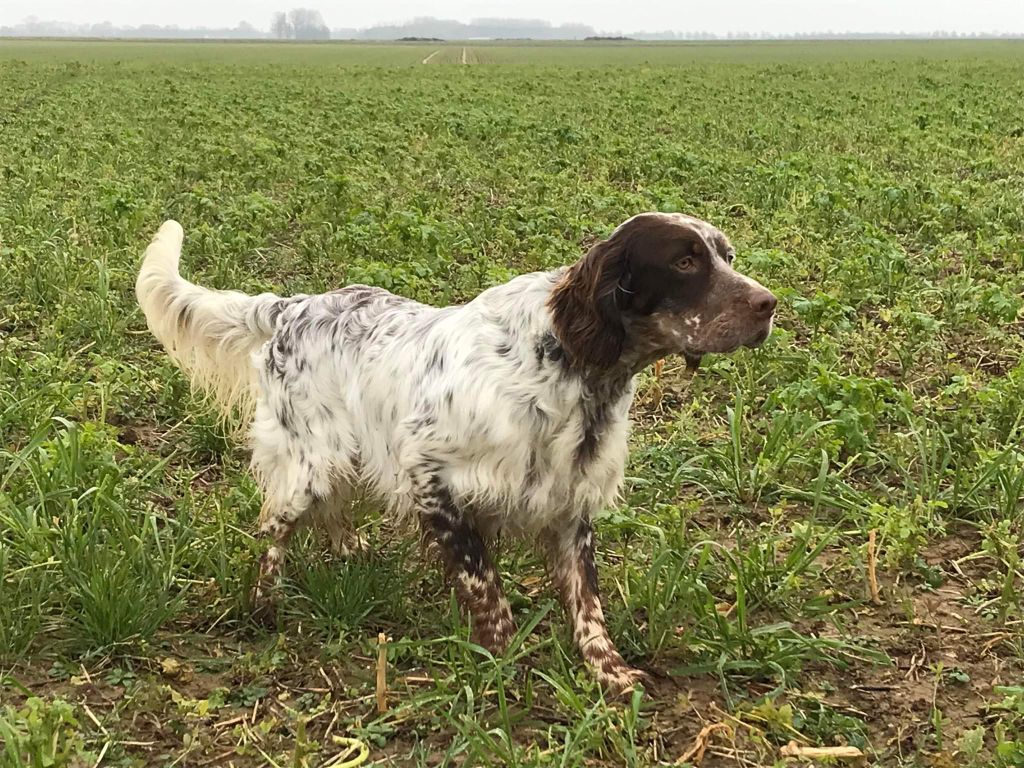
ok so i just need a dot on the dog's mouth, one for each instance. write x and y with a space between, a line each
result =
692 360
758 338
693 357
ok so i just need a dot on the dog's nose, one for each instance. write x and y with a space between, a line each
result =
763 302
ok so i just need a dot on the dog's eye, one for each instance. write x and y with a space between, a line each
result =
729 256
685 263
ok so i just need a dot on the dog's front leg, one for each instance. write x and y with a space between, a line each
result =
467 565
574 572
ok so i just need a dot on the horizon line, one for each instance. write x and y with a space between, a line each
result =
36 27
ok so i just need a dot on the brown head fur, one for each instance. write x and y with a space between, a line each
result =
660 284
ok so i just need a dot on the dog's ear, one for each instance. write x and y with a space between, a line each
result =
587 304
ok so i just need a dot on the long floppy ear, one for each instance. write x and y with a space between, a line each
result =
586 307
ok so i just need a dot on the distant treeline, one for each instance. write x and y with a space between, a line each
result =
522 29
37 28
428 28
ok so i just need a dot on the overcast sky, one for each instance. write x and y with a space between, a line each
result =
635 15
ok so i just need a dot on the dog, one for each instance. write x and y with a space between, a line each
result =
506 415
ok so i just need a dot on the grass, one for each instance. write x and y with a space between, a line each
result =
874 186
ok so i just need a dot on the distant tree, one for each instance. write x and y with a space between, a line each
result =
280 27
102 29
308 24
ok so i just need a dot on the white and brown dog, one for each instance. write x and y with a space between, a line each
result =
507 414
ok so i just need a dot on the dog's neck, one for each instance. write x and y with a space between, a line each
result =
603 383
576 328
604 378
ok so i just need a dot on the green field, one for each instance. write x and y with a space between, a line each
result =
877 188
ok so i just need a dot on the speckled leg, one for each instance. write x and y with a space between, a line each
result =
466 562
278 524
574 572
335 516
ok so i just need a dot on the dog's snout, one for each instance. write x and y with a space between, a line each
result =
762 302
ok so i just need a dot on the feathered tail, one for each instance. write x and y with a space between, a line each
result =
211 335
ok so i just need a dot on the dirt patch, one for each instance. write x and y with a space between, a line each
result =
946 661
152 438
216 699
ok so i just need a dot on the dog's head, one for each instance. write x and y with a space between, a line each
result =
660 284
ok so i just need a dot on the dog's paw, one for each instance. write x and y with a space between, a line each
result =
621 681
349 546
495 634
264 608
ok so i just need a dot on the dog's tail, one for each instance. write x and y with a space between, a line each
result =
211 335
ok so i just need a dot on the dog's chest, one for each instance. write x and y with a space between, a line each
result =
564 457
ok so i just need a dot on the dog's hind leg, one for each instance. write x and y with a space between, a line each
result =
335 514
278 525
292 487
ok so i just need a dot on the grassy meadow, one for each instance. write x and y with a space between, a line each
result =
877 188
